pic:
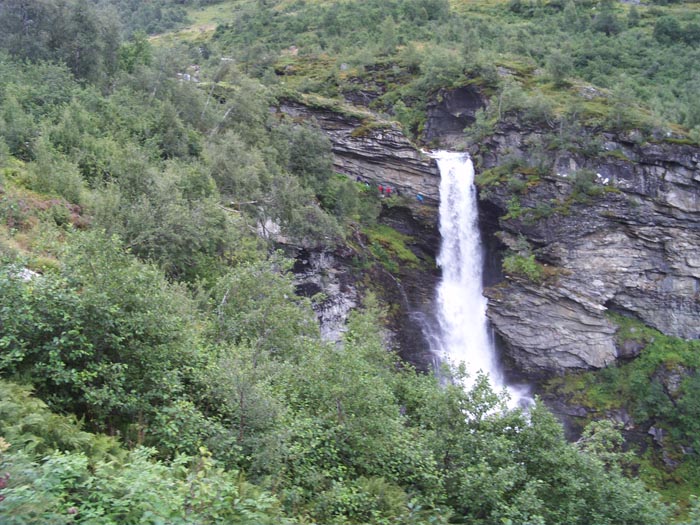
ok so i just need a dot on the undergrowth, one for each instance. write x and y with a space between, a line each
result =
660 388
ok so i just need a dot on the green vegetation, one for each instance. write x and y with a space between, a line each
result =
147 182
648 381
538 60
518 174
389 247
657 389
235 379
54 472
522 266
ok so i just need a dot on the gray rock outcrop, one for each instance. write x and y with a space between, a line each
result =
632 246
378 154
451 112
322 273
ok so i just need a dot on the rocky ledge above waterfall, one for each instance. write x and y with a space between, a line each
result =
615 231
378 153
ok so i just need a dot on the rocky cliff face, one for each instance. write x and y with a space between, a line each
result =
322 272
632 246
616 229
450 113
613 229
379 154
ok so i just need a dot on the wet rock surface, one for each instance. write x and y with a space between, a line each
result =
338 281
449 113
378 155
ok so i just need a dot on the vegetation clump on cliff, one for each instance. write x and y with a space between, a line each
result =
654 393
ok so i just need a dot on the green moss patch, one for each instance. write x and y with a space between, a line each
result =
390 247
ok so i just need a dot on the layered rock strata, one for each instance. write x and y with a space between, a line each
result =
378 154
632 246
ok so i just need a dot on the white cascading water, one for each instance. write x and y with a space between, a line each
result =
464 333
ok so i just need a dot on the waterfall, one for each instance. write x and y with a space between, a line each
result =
463 332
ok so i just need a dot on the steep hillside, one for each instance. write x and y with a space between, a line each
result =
179 210
582 119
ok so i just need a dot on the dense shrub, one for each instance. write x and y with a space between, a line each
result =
522 266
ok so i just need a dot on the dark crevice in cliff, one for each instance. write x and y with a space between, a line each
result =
493 248
615 308
450 113
493 252
411 293
426 239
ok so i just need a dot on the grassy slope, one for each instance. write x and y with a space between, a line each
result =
327 66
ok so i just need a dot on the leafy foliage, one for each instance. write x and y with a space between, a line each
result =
564 42
72 32
522 266
57 473
116 355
